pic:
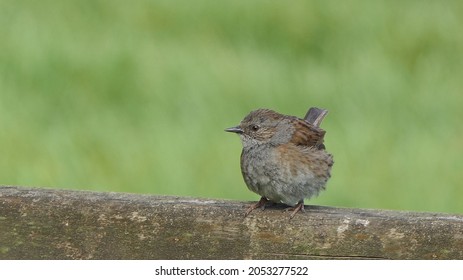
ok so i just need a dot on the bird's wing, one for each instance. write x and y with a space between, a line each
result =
306 134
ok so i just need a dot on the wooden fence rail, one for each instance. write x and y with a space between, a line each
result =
40 223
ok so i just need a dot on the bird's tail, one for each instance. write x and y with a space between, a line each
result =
315 116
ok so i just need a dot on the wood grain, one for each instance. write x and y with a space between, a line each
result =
40 223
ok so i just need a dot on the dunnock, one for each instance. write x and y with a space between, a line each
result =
283 157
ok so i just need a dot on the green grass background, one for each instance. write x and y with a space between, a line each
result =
133 96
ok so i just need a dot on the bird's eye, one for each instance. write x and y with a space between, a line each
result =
254 127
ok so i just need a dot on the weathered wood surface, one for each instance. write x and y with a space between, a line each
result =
62 224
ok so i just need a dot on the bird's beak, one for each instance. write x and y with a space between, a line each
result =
235 129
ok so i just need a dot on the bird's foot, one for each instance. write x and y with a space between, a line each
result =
295 209
260 204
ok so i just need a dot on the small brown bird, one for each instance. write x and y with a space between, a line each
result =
283 157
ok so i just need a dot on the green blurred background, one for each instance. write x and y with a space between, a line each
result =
133 96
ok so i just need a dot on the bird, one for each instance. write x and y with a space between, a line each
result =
283 158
